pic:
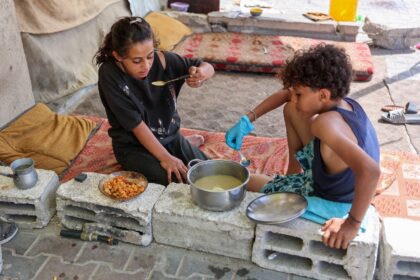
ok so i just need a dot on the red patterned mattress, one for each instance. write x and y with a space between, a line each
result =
398 191
264 53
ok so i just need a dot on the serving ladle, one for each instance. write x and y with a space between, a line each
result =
7 175
162 83
244 161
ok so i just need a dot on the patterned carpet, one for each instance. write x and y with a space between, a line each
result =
398 191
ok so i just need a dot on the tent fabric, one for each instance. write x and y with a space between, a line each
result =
42 17
62 63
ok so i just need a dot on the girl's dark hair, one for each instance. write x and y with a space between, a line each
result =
322 66
123 34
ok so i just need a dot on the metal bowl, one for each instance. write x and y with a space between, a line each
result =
218 200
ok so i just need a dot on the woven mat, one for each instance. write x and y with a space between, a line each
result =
264 53
398 191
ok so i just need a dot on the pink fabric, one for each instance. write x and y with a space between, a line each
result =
398 190
264 53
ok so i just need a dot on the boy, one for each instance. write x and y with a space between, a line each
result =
329 137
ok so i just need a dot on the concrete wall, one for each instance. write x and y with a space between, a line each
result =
15 86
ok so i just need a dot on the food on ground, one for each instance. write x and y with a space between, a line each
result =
122 188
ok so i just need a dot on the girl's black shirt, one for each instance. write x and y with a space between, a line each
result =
129 101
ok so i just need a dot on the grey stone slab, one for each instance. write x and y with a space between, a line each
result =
116 256
159 275
196 265
179 222
144 258
20 267
400 253
30 208
105 273
63 270
53 245
21 242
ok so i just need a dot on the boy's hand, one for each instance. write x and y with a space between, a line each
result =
236 133
197 78
338 233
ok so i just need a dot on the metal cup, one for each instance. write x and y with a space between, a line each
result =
25 176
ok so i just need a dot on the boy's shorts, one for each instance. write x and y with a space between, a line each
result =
301 183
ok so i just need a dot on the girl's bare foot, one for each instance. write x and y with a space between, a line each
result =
195 140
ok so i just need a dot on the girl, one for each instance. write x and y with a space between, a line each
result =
143 117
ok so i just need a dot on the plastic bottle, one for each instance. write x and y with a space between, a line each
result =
343 10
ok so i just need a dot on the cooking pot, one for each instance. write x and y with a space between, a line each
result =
222 200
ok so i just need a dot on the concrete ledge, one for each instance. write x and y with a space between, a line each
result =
399 256
299 250
179 222
82 206
31 208
281 25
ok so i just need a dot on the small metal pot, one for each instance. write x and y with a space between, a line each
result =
25 176
217 200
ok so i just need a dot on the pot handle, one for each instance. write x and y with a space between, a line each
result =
193 162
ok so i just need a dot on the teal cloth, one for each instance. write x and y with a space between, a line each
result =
321 210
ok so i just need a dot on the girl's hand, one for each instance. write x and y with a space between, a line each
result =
197 77
338 233
174 165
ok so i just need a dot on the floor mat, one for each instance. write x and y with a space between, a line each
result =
265 53
398 191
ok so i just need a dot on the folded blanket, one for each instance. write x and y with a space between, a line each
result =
321 210
51 140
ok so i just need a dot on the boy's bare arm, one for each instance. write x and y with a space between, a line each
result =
270 103
332 130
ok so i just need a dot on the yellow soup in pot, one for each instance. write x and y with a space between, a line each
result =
218 182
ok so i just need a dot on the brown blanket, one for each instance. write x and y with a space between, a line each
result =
51 140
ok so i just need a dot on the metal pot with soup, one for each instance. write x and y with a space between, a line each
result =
217 185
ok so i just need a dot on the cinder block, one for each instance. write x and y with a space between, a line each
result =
299 250
399 252
82 206
177 221
30 208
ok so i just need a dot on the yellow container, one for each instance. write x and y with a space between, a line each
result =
343 10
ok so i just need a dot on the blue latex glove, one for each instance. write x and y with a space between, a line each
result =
235 134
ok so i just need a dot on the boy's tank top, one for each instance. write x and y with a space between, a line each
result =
340 187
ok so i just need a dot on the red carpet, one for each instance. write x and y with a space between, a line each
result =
398 192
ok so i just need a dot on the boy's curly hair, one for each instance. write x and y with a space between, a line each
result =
323 66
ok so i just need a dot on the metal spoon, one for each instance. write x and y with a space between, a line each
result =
244 161
162 83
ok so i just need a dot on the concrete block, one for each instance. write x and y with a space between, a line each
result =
31 208
177 221
299 250
82 206
399 252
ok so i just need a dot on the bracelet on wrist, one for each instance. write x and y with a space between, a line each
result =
354 219
254 114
